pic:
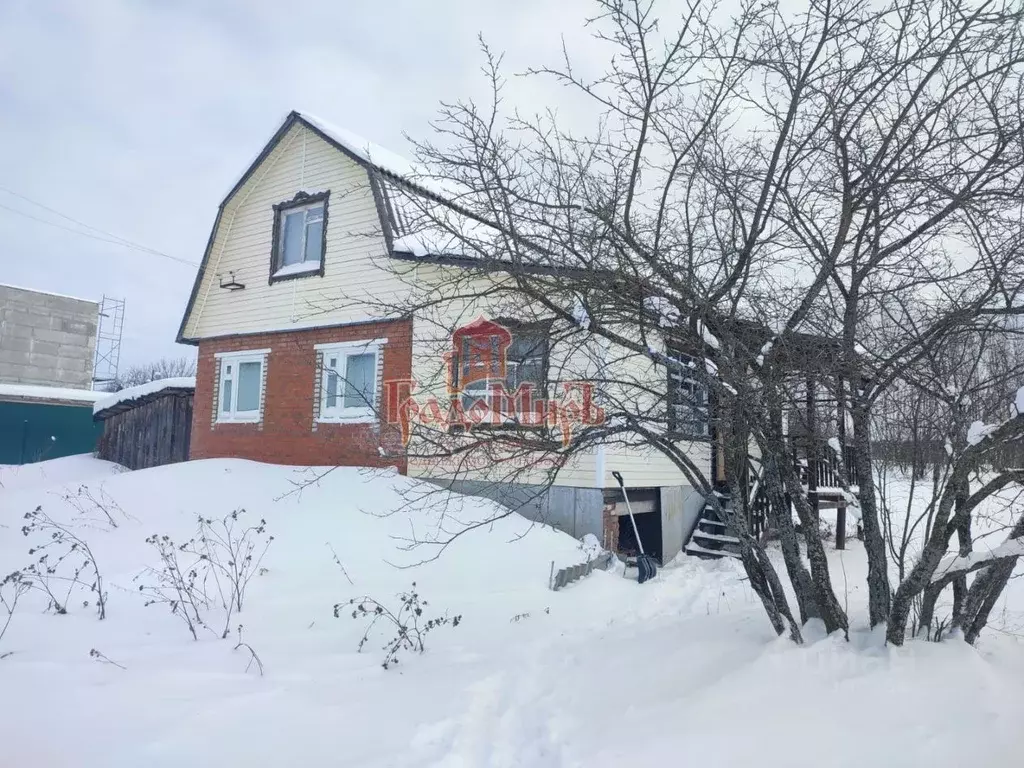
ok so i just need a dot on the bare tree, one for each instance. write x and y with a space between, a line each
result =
164 368
783 209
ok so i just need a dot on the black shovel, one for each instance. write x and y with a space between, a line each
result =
645 564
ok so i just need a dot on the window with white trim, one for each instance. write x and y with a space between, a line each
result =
348 383
240 398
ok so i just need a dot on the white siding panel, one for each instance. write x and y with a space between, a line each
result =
570 360
647 468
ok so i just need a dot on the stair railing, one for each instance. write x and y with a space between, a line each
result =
758 506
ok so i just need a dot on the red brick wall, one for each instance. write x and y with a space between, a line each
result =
610 526
287 435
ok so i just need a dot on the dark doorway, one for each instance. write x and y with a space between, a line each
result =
647 513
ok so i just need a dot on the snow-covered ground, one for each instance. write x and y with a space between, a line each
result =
683 670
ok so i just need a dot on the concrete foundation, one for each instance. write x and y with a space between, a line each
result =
680 511
46 339
578 511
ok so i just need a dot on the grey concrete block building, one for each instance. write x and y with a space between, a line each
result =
47 339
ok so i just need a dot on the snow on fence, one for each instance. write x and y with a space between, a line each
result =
568 575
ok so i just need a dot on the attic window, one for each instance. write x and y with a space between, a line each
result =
300 237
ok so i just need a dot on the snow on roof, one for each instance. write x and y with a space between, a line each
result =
386 160
36 392
367 151
142 390
48 293
424 226
427 243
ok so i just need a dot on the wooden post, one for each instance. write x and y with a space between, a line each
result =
841 459
812 450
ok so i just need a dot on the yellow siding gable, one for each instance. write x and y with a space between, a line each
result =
357 275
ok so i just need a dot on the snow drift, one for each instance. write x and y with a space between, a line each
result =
602 673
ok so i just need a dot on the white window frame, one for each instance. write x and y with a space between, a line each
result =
235 359
485 394
303 266
340 414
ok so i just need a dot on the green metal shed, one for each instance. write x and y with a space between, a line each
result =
39 423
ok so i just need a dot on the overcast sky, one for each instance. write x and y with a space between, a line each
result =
136 117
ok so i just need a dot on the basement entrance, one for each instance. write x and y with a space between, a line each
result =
646 503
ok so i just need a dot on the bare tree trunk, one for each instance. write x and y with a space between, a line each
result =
962 522
985 591
963 532
920 577
764 579
782 522
982 597
879 596
776 460
824 595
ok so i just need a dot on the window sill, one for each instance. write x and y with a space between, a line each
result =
355 418
238 420
302 269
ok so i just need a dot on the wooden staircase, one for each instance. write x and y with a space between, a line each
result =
712 538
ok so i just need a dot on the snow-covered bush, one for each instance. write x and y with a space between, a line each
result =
233 552
64 562
175 585
254 658
407 621
13 586
96 509
225 553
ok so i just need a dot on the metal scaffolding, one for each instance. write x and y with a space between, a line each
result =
108 341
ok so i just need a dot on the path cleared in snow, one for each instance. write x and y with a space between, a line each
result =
681 670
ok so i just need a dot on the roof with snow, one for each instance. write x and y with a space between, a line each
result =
132 397
420 215
34 393
419 212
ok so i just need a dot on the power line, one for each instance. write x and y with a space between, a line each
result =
69 218
103 236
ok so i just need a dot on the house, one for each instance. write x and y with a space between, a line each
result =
319 311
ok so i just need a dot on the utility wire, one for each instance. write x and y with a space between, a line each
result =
103 236
72 220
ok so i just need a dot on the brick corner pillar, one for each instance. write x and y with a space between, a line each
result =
609 526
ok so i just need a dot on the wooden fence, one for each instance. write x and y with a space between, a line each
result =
148 432
564 576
